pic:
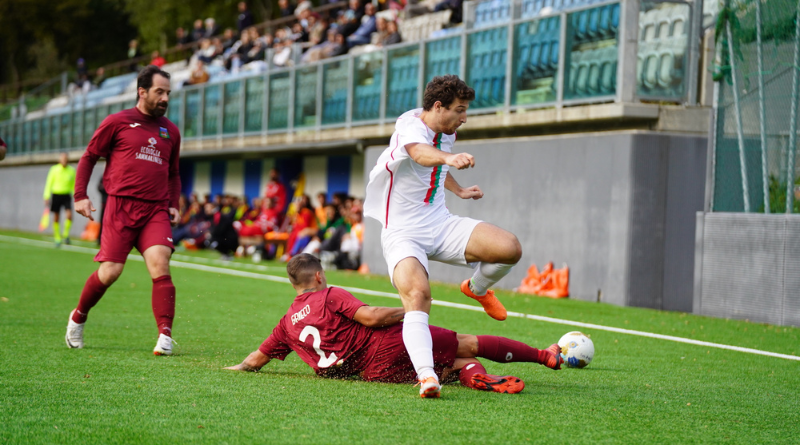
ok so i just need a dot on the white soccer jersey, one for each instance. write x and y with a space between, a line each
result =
402 193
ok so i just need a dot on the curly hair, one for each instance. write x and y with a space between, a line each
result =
446 89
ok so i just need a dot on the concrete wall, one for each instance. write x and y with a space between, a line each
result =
21 200
617 208
748 267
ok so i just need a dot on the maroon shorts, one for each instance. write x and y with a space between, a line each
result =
391 364
129 223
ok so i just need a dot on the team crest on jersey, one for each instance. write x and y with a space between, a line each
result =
152 142
163 132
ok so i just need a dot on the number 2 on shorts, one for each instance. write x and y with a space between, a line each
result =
324 361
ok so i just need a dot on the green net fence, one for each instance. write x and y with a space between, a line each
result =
755 141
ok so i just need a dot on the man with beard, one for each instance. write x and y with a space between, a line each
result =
142 180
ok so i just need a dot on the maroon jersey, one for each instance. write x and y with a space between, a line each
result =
319 327
142 154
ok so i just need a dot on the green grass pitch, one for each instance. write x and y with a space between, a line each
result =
637 390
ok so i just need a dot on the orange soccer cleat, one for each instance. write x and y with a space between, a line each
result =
493 307
506 385
555 358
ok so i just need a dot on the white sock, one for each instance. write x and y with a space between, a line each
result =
486 275
419 344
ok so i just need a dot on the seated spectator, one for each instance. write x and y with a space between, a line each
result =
392 34
317 29
261 219
206 52
321 50
198 32
362 35
224 238
349 257
239 51
340 46
228 40
181 38
211 28
304 227
99 77
350 20
276 191
157 60
199 74
302 12
245 18
287 9
283 52
299 34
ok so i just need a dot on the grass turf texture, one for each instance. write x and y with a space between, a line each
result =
637 390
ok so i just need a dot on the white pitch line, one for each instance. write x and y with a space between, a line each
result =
356 290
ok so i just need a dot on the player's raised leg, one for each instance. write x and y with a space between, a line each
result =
411 281
163 298
496 251
94 289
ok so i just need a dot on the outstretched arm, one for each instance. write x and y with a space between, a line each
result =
253 363
378 317
451 184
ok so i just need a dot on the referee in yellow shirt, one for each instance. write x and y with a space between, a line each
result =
58 193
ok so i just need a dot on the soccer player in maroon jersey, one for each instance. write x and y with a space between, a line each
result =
339 336
141 148
3 149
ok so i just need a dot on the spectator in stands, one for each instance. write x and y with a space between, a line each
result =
228 40
207 51
199 74
321 50
224 238
304 227
99 77
181 38
157 60
350 20
283 50
276 191
198 32
82 82
239 51
340 46
299 34
287 9
211 29
457 6
245 18
362 35
317 29
302 11
133 53
392 34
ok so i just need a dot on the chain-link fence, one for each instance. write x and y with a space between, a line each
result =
758 78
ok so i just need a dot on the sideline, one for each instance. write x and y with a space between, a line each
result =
356 290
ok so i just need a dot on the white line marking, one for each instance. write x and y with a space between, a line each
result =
356 290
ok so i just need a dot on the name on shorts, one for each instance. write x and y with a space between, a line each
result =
150 154
301 314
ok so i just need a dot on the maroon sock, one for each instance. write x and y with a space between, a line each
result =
164 304
92 292
504 350
468 371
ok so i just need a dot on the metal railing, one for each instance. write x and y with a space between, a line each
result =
560 59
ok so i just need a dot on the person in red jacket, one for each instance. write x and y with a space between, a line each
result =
142 180
276 191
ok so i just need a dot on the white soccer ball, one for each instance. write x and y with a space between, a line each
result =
577 348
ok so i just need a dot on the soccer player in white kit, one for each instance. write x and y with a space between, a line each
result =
406 194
